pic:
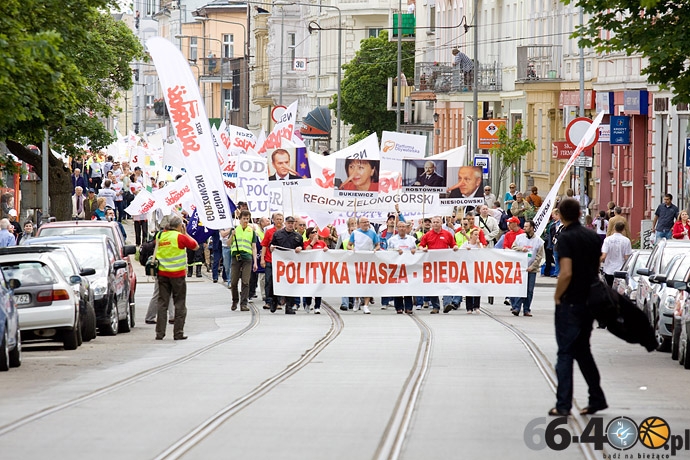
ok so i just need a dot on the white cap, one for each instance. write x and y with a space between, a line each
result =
12 212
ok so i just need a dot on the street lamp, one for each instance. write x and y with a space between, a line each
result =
246 56
340 48
222 102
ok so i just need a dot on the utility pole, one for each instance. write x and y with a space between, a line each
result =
583 203
398 78
475 89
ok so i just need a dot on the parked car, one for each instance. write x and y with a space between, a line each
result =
661 255
10 334
97 227
682 321
114 313
48 307
625 279
70 266
662 302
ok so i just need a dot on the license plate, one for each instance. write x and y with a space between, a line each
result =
22 299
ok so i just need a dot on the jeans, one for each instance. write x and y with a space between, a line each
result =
217 250
386 300
525 302
399 302
226 264
268 282
668 234
420 300
454 299
573 329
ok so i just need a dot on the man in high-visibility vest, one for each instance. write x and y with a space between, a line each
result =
243 256
171 253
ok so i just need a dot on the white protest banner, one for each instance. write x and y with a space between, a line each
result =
156 138
191 127
260 140
306 199
253 180
142 203
544 212
284 129
136 159
478 272
172 194
357 169
241 140
396 146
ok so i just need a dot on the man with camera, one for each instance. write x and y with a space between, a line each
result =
243 259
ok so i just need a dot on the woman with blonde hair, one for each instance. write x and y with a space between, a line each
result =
99 213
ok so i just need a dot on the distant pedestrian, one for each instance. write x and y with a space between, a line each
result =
618 217
437 238
681 228
664 218
601 225
615 251
533 245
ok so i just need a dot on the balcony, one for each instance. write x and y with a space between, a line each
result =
435 77
539 63
408 24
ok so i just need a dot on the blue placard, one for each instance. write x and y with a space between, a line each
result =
620 130
687 152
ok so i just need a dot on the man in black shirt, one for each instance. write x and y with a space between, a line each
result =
286 238
579 250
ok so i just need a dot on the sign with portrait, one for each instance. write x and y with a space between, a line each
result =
424 175
357 177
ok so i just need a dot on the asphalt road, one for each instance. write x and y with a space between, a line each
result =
256 385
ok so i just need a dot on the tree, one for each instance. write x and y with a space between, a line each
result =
61 73
511 149
363 88
655 29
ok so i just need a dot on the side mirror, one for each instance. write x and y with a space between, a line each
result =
87 271
644 271
620 274
14 283
675 284
119 264
74 279
129 250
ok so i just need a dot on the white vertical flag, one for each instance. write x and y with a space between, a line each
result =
192 129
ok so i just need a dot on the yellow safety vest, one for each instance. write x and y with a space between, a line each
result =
242 241
260 233
171 257
460 239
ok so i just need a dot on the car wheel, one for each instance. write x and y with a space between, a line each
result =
663 342
675 340
4 352
681 353
89 327
70 339
16 354
124 323
111 327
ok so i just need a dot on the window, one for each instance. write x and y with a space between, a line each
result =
228 46
567 68
193 49
374 32
149 101
151 7
432 19
291 47
588 66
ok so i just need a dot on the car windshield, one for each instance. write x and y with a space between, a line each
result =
63 263
28 273
640 262
88 254
670 253
81 230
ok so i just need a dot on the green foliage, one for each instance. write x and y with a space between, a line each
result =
61 71
656 29
358 137
511 148
364 85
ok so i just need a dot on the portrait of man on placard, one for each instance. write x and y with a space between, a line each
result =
426 175
469 183
354 174
281 165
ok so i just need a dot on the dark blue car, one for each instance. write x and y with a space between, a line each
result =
11 346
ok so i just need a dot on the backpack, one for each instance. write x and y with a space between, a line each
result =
146 250
503 222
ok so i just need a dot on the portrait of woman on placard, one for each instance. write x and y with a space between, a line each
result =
362 175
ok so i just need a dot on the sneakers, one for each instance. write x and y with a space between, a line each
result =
426 304
343 307
434 311
447 308
365 310
384 306
418 307
244 308
317 311
355 307
506 301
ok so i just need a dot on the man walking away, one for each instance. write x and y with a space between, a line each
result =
615 251
579 250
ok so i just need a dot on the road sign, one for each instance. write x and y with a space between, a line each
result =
277 112
687 152
299 64
482 161
576 131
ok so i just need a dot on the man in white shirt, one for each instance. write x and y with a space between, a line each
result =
487 224
364 239
615 251
533 245
403 242
108 193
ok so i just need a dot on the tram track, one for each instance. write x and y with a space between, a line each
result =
35 416
211 424
576 421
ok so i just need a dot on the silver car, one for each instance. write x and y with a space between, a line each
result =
625 279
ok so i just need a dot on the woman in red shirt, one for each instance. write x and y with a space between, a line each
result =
318 239
681 228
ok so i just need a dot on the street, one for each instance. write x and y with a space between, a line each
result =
257 385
